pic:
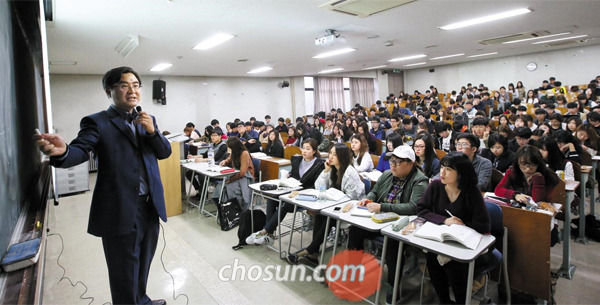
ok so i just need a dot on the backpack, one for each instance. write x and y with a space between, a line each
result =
245 230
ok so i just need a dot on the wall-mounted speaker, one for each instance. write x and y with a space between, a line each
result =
384 72
431 70
159 91
285 84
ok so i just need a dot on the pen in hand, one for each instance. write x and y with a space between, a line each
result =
449 213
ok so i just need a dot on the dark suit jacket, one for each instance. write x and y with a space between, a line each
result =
115 197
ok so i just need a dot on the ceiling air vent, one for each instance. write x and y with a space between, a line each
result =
502 39
362 8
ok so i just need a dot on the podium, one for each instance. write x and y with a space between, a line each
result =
170 175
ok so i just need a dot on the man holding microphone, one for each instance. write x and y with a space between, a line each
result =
128 197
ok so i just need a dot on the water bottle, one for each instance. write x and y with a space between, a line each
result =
322 193
211 157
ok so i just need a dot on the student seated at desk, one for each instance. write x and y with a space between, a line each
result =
236 186
306 169
251 143
398 190
529 177
220 153
339 174
274 146
394 140
361 159
455 194
292 139
554 158
498 153
426 157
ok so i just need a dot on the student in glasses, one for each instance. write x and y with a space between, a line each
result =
468 144
528 177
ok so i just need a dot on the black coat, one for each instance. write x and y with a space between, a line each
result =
311 175
503 162
275 149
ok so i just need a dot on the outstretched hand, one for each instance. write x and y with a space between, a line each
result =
51 144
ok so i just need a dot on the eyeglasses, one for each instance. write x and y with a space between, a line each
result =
527 165
125 87
419 146
463 145
396 162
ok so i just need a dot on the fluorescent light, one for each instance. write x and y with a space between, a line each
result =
160 67
331 70
261 69
407 57
485 54
376 67
334 53
484 19
539 37
447 56
416 64
559 39
213 41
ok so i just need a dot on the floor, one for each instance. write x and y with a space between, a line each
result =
196 249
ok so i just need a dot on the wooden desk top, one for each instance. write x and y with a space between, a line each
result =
586 169
280 161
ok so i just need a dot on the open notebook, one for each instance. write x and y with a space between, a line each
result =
459 233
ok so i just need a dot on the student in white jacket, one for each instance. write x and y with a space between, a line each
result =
339 174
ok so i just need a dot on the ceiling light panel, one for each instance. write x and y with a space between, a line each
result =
485 54
559 39
331 70
161 67
259 70
213 41
484 19
334 53
534 38
407 58
447 56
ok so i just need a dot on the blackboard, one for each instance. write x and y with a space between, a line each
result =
21 111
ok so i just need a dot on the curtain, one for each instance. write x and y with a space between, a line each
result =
362 91
329 93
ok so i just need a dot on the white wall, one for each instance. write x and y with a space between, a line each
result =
189 99
575 66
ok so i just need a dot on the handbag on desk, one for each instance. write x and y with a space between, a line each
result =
228 215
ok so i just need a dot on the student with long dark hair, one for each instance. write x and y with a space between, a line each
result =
528 177
306 169
237 185
274 146
554 157
393 140
363 129
498 153
588 137
426 157
569 145
339 174
457 194
361 159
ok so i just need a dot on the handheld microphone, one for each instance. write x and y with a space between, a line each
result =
136 113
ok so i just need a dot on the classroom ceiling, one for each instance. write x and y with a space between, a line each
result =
281 34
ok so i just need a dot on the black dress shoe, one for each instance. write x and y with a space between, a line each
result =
159 302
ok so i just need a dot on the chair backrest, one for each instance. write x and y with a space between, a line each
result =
586 158
290 151
497 229
497 176
284 137
440 153
375 159
367 184
257 172
559 195
378 147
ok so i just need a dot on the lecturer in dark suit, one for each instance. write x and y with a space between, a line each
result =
128 198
